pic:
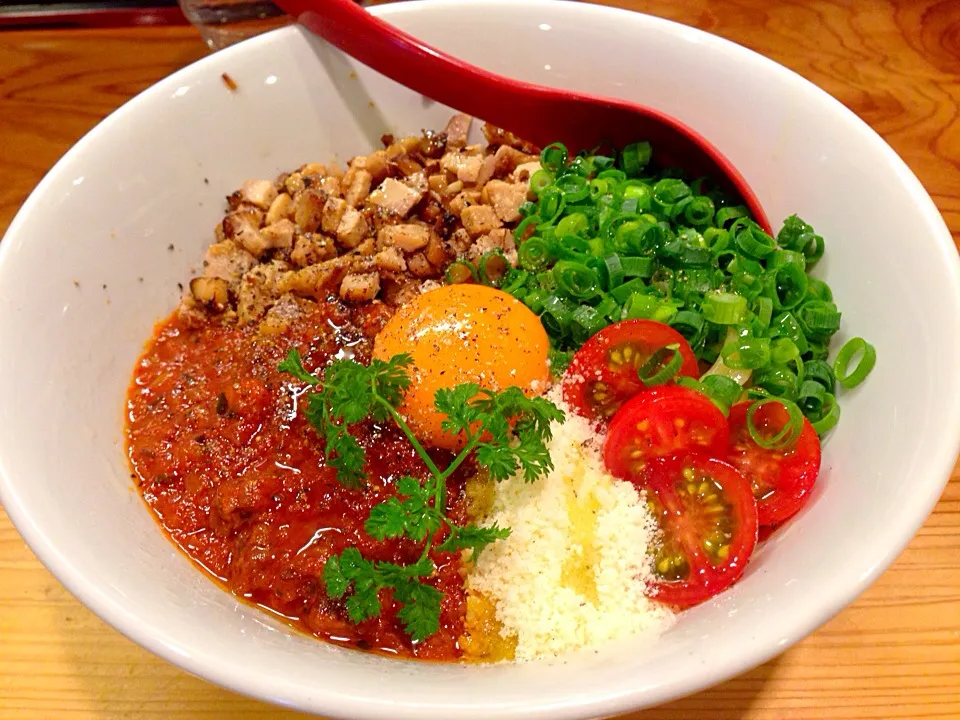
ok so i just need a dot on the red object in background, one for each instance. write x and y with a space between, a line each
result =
538 114
88 15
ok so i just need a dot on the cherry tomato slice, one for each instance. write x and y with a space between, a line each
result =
708 519
662 421
603 373
781 481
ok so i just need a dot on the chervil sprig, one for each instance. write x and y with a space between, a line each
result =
506 430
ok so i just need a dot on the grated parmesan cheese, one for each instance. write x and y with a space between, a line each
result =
574 571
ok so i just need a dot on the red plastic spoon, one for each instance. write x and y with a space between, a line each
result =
535 113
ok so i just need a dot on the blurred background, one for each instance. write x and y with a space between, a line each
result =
221 22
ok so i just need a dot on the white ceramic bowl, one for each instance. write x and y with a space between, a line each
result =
87 267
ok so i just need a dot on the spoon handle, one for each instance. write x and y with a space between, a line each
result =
414 64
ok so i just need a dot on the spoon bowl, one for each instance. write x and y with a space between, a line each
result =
536 113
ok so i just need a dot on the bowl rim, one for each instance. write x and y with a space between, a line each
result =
941 458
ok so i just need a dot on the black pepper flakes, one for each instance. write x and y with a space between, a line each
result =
222 405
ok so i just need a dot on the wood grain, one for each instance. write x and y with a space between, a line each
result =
894 654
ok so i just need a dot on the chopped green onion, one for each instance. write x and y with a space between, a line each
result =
573 224
533 254
552 204
763 308
623 292
585 322
607 307
867 359
515 282
637 266
786 325
787 437
555 316
699 211
724 308
576 280
829 415
753 241
778 381
810 397
559 361
530 221
641 306
635 157
540 180
723 390
613 270
729 214
493 266
819 319
554 156
779 258
690 324
669 193
819 371
661 366
747 353
783 350
461 271
789 286
573 187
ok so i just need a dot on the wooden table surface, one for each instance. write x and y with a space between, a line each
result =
894 654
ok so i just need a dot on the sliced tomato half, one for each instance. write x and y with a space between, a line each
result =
708 519
781 479
603 373
662 421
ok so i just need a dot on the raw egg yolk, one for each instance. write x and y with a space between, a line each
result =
459 334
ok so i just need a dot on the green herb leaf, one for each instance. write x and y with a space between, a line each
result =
472 537
413 517
293 365
420 613
455 404
334 578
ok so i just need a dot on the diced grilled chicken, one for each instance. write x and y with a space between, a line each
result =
408 237
524 172
506 198
258 290
465 166
213 292
333 211
394 198
375 163
463 200
227 261
390 260
508 159
479 219
353 228
499 136
458 127
279 235
358 187
244 228
258 192
501 239
309 210
280 315
360 287
315 281
282 207
420 267
311 249
319 232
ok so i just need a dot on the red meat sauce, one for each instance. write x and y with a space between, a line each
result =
237 479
